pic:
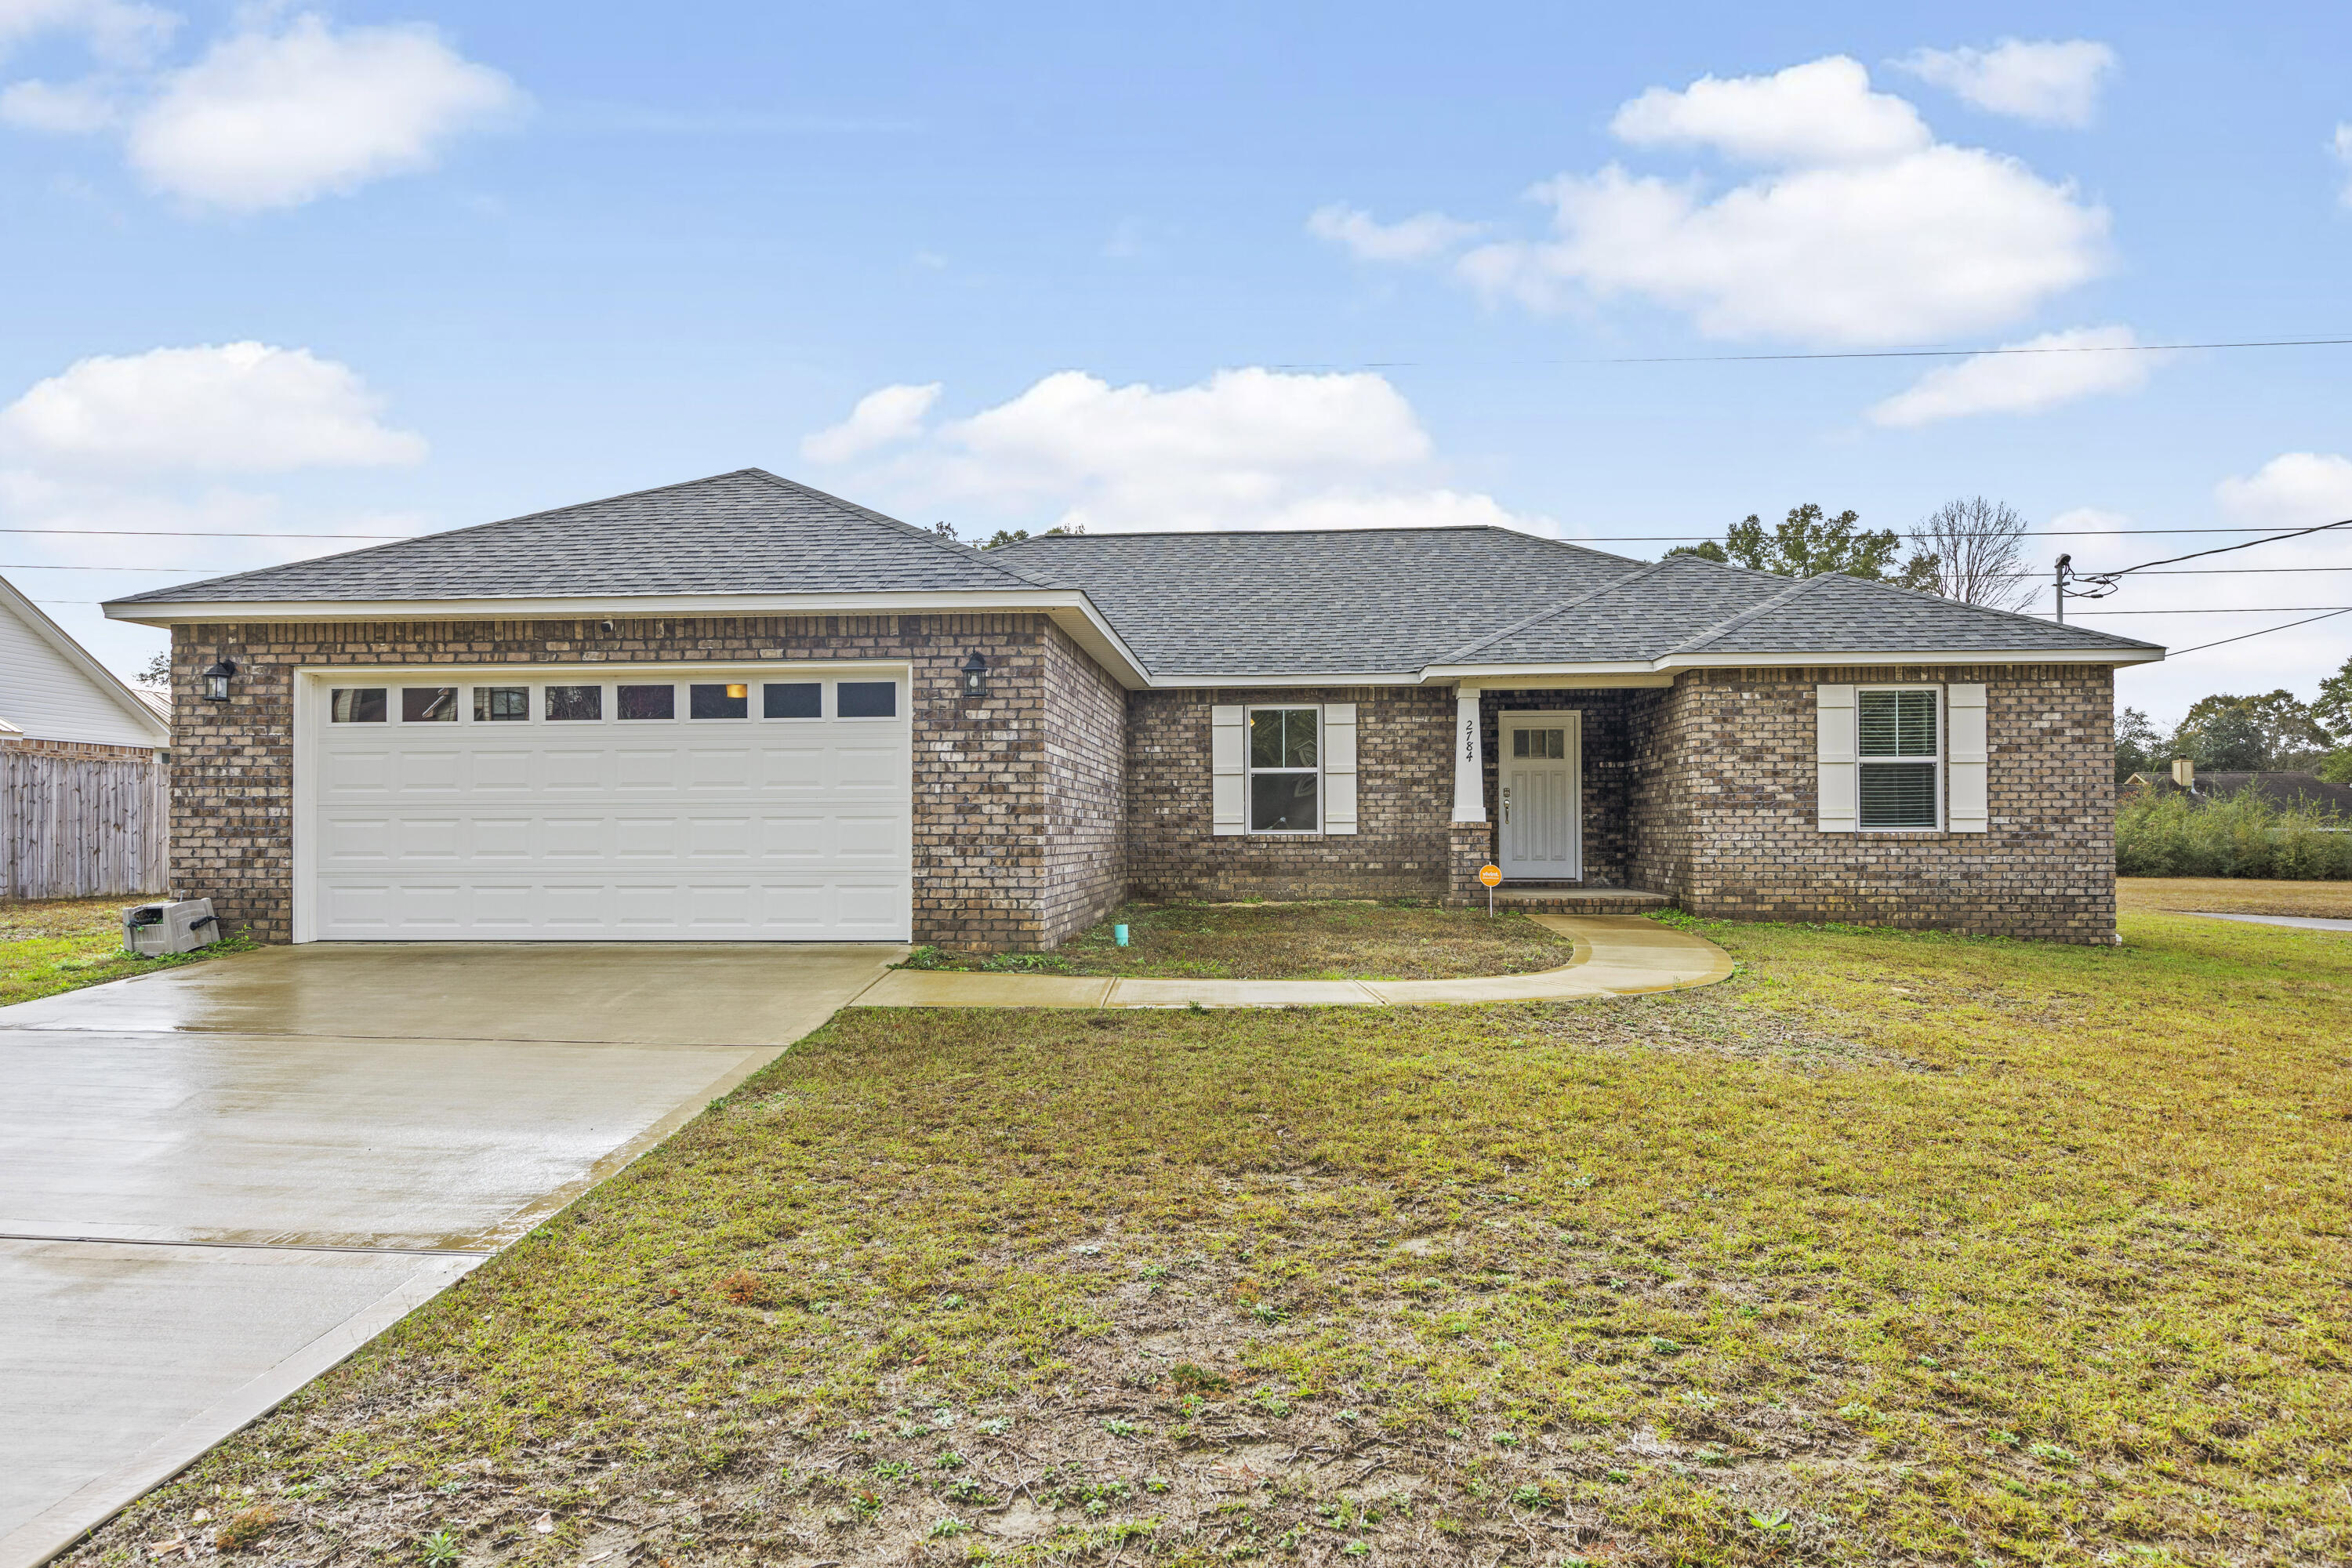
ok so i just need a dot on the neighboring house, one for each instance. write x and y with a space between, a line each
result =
59 700
739 708
2291 790
82 808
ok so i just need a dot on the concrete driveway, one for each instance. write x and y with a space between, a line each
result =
218 1181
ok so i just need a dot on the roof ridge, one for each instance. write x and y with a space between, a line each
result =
1467 649
937 541
1291 532
1795 590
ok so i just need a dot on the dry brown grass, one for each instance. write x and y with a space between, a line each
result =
1897 1248
2232 895
1341 940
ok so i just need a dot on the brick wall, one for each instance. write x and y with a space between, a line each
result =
1404 802
1724 808
1086 790
984 800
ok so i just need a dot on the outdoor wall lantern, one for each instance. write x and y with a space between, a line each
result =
217 678
975 675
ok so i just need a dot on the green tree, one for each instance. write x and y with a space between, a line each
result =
2333 707
1808 543
2262 734
2140 746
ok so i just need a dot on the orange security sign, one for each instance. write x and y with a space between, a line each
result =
1491 875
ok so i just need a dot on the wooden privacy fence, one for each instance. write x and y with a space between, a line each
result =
81 826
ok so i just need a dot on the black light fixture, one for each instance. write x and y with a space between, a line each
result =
217 678
975 675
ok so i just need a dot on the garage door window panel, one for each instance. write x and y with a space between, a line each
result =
792 699
357 705
718 699
648 702
501 704
865 700
429 705
576 704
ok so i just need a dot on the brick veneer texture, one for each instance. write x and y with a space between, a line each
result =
30 746
1404 802
991 812
1724 807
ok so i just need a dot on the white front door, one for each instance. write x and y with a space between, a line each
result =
604 803
1539 767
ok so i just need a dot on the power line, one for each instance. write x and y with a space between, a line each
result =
2200 648
196 533
2225 610
1852 353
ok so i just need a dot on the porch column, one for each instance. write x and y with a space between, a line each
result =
1469 758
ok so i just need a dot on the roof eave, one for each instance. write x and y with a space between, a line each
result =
1445 674
1069 608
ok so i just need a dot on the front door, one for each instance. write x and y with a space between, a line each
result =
1540 766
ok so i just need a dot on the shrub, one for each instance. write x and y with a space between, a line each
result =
2172 835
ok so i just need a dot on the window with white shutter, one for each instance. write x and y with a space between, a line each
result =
1898 757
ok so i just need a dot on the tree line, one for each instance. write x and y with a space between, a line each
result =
2274 732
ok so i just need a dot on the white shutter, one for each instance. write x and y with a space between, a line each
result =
1228 740
1839 781
1339 767
1965 797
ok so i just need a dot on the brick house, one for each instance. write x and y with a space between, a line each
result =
740 708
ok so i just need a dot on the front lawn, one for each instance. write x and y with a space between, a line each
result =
1341 940
1895 1247
2236 895
49 945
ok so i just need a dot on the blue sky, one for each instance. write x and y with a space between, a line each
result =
387 268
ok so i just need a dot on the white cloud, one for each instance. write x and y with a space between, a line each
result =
1863 230
1245 448
1820 112
2294 490
232 408
1421 238
881 419
74 109
2026 378
2047 83
272 119
2342 148
116 30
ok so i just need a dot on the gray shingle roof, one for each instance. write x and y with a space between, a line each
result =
1201 607
1336 602
744 533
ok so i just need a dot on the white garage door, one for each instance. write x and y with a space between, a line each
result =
717 805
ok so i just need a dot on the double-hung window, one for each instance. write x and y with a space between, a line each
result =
1284 771
1899 750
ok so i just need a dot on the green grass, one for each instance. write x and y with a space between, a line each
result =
50 945
1335 940
1895 1248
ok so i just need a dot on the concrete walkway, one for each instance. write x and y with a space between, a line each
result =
1616 956
217 1182
2301 922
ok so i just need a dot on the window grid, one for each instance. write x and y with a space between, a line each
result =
1899 752
1285 770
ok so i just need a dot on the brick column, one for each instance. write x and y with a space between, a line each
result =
1473 846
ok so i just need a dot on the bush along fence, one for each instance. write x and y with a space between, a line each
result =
2237 836
75 827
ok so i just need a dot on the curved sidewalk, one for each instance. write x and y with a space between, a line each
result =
1616 956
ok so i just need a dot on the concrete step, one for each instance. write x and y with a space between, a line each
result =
1573 900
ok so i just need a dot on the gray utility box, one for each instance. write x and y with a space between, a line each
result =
181 927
